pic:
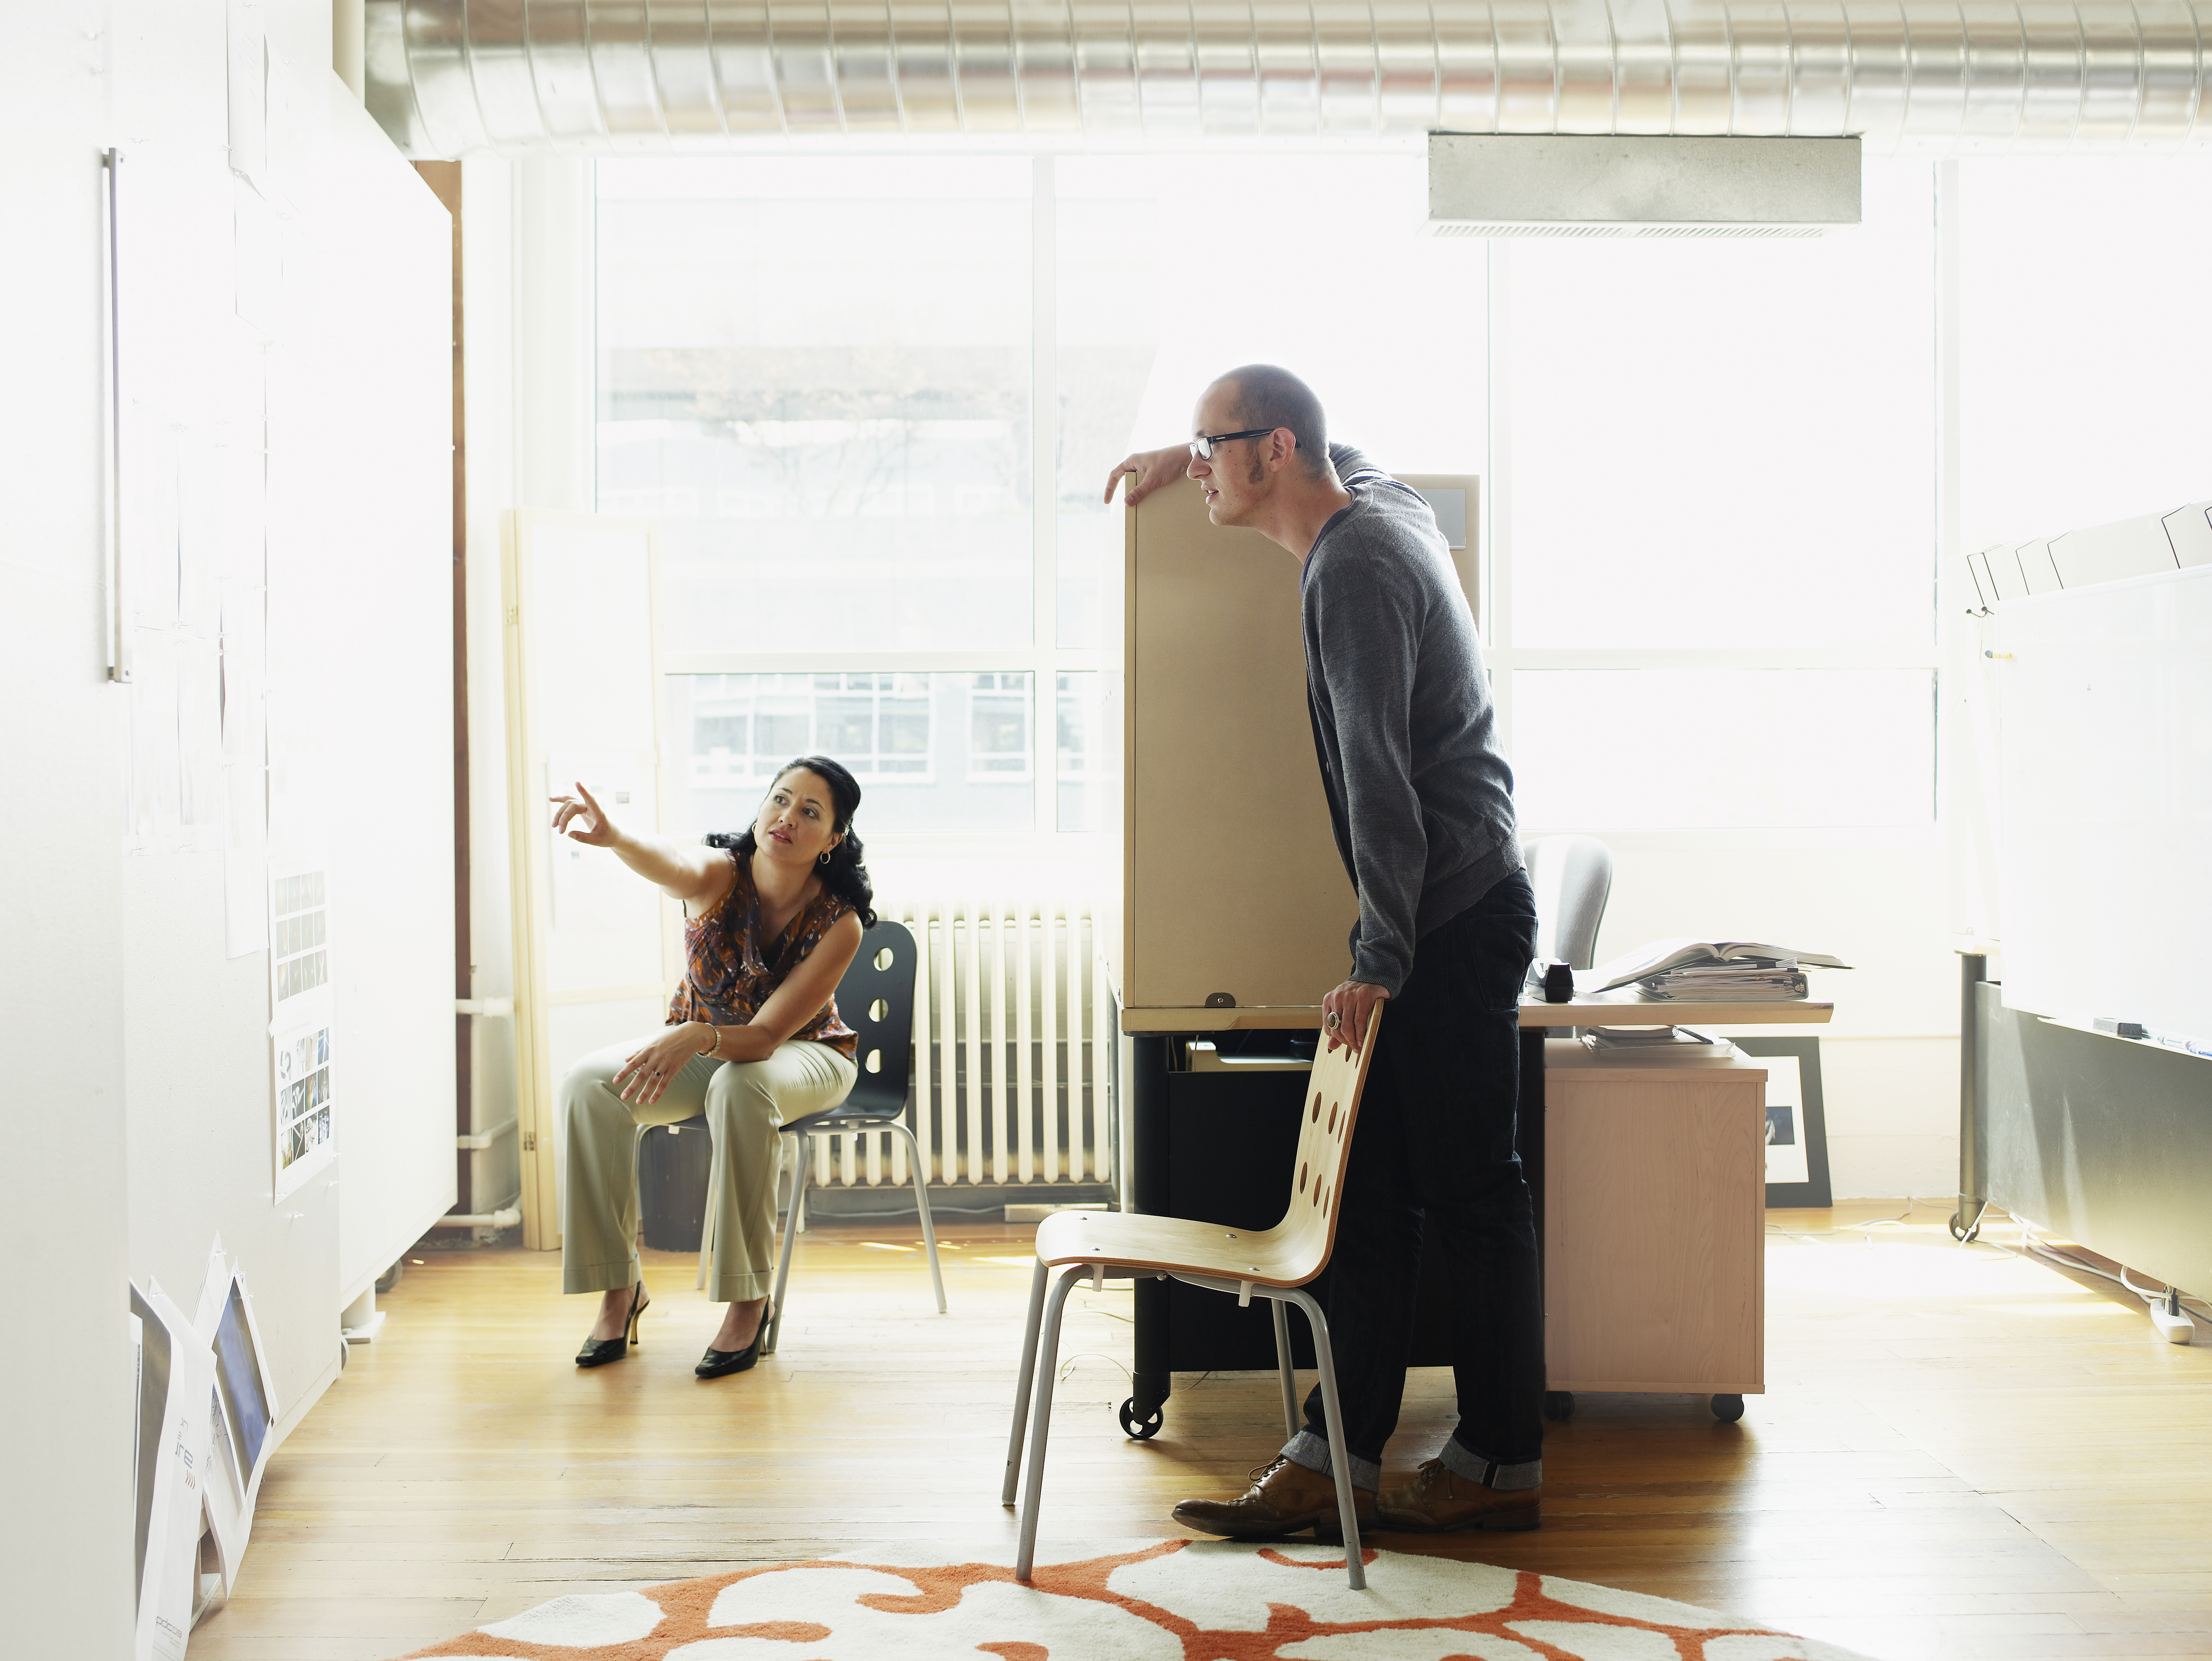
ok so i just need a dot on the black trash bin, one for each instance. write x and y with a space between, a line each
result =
673 1167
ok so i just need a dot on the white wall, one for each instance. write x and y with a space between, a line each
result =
347 341
361 550
137 1058
64 1560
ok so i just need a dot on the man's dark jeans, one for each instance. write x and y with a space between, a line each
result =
1435 1136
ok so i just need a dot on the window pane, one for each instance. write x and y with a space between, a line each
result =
1725 442
1805 747
1081 753
1159 290
815 372
931 753
2100 264
999 726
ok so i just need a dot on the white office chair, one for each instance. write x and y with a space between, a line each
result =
1573 877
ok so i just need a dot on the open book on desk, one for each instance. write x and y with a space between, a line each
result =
1747 957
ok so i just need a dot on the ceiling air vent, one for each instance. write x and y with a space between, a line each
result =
1489 185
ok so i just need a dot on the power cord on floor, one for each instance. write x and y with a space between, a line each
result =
1846 1228
2168 1301
1067 1367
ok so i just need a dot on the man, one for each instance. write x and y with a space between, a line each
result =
1420 800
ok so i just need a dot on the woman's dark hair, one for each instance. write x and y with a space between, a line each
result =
846 875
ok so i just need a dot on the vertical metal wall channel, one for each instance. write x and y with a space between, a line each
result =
119 628
450 77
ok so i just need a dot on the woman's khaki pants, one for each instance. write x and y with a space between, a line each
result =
745 1104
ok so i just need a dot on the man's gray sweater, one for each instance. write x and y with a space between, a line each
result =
1419 796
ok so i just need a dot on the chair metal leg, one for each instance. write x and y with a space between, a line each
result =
921 1203
1047 1363
1338 1462
1024 1382
790 1231
1291 1420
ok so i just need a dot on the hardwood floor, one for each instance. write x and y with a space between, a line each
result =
1962 1452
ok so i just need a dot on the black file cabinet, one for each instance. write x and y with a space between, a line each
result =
1218 1146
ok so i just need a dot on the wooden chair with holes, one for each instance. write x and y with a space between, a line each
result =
1275 1263
876 999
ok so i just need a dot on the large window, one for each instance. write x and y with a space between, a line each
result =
1717 518
872 400
817 374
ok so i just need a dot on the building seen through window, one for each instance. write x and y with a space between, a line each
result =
931 753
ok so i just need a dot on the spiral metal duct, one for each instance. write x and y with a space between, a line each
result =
448 77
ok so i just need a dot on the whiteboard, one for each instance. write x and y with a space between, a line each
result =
2105 849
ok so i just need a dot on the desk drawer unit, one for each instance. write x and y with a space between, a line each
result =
1655 1200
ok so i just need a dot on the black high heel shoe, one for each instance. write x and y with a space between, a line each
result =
715 1363
598 1352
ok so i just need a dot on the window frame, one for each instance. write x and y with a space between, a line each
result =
1045 659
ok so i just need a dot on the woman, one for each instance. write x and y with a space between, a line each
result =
772 918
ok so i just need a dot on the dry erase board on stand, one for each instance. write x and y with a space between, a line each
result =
2104 743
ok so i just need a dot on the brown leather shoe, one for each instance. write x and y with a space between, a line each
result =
1439 1500
1285 1497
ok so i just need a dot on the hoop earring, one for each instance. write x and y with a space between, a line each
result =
824 860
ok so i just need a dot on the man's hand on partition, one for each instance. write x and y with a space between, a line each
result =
1147 470
1345 1013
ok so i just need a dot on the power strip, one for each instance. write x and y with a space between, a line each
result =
2173 1322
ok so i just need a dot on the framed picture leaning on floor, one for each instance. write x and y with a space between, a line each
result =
1796 1125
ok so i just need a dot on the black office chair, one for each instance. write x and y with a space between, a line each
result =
876 998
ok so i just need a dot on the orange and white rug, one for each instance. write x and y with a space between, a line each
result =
1174 1600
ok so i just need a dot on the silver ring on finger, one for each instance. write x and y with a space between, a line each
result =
1334 1021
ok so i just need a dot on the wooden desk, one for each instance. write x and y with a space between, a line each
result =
1649 1175
1654 1225
1205 1143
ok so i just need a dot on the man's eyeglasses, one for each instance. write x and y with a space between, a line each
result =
1202 446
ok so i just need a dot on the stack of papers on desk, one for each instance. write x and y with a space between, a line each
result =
1731 984
1711 971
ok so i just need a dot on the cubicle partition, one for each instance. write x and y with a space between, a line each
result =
1228 910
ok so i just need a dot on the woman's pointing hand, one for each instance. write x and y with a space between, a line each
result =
581 819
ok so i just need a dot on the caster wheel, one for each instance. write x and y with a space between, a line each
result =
1558 1405
1140 1427
1962 1234
1727 1409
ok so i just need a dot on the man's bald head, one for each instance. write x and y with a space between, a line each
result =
1269 397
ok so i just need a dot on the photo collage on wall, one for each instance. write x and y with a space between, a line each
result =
303 1095
300 1025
